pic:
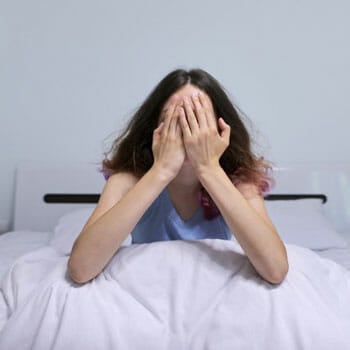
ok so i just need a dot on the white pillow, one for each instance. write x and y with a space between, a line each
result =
302 222
69 227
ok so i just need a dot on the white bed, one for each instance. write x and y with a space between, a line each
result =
339 255
35 219
150 284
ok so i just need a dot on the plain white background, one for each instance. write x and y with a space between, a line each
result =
73 72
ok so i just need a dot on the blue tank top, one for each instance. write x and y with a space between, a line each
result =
161 222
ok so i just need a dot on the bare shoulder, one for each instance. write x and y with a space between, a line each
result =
122 179
114 189
254 198
116 186
248 190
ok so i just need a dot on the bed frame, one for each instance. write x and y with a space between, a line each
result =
44 192
34 180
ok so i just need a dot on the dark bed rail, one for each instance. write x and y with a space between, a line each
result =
280 196
81 198
92 198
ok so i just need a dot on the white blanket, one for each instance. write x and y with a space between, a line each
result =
177 295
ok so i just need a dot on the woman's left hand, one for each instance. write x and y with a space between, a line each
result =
204 144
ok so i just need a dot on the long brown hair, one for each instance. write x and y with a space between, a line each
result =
132 150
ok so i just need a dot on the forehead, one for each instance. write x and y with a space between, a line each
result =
187 90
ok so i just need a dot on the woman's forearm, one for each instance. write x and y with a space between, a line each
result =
258 239
97 243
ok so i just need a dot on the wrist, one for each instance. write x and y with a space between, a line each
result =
163 175
213 168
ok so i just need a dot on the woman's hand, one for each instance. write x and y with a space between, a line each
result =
168 148
203 143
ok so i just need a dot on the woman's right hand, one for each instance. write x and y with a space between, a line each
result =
168 147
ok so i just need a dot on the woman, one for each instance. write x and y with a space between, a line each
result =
183 169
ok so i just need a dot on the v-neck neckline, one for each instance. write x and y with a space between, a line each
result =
176 215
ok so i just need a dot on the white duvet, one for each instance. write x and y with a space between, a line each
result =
179 295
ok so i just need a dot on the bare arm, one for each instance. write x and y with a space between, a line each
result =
124 200
120 207
246 216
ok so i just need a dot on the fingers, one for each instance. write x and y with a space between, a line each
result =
167 120
168 110
200 111
209 112
158 130
178 131
172 125
185 128
190 116
157 134
171 120
194 117
225 130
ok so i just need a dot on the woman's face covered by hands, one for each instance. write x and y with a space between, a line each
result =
189 114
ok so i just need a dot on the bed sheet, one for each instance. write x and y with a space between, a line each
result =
14 244
194 295
339 255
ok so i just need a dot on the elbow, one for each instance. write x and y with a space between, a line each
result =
278 274
76 274
279 268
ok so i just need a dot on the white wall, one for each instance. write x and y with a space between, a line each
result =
72 72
